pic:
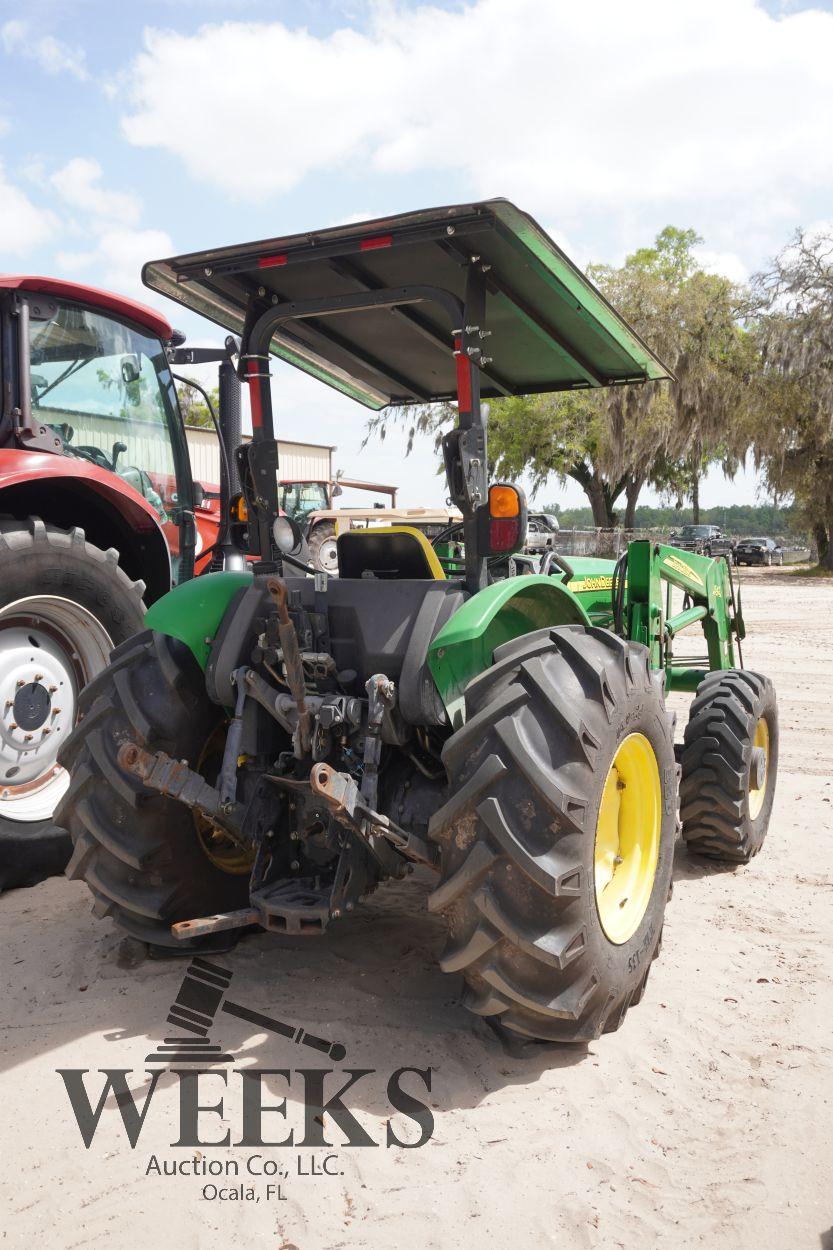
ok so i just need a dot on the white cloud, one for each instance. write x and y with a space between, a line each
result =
78 183
23 225
726 264
53 56
714 110
117 259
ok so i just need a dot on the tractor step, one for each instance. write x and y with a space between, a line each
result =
295 906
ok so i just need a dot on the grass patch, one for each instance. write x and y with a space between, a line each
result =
815 570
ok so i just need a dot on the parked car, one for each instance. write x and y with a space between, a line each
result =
541 531
706 540
758 551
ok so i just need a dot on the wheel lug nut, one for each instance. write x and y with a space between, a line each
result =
52 689
13 725
27 738
38 676
20 683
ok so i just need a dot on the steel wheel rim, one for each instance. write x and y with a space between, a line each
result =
50 648
626 848
217 845
757 794
328 555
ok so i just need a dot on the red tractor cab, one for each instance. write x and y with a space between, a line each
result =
98 518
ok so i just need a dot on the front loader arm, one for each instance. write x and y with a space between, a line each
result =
708 586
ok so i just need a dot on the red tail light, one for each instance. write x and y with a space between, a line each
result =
503 533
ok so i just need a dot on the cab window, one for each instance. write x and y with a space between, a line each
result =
105 389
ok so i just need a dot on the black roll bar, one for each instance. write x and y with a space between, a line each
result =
464 448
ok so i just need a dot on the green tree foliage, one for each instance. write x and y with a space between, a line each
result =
740 520
192 405
792 409
614 441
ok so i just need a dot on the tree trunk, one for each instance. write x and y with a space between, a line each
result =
596 494
593 489
823 534
601 494
632 492
695 497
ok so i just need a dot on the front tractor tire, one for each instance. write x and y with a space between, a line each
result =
64 605
323 550
557 842
140 852
729 766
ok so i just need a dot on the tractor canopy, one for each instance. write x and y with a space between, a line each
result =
549 329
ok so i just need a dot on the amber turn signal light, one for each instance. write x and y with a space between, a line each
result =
504 501
238 512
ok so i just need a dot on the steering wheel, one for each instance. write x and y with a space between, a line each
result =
454 564
551 558
94 454
448 564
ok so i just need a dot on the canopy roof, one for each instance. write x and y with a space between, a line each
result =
551 330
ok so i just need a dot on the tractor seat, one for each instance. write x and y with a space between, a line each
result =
390 553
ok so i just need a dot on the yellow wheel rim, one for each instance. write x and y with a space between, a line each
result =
627 838
216 843
757 793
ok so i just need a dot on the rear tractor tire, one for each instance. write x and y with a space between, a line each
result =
557 842
144 857
64 605
729 766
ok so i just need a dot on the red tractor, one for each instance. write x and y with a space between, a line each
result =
99 517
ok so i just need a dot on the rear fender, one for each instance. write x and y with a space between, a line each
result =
466 644
65 493
194 611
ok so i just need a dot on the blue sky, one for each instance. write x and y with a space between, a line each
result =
136 130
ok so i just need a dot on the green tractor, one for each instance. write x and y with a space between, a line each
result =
278 742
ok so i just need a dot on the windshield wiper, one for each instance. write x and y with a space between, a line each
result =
76 365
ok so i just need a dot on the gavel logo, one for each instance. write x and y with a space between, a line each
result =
195 1007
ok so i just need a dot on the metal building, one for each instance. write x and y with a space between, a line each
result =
298 462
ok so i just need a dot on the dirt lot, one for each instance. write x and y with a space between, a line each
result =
706 1121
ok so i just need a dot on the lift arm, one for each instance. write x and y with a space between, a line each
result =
706 582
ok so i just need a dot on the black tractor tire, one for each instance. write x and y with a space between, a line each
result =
517 837
322 532
138 850
717 766
39 562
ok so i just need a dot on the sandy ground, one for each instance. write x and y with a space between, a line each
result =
706 1121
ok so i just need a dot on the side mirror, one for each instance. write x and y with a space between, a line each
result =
199 495
501 521
118 448
130 370
337 490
